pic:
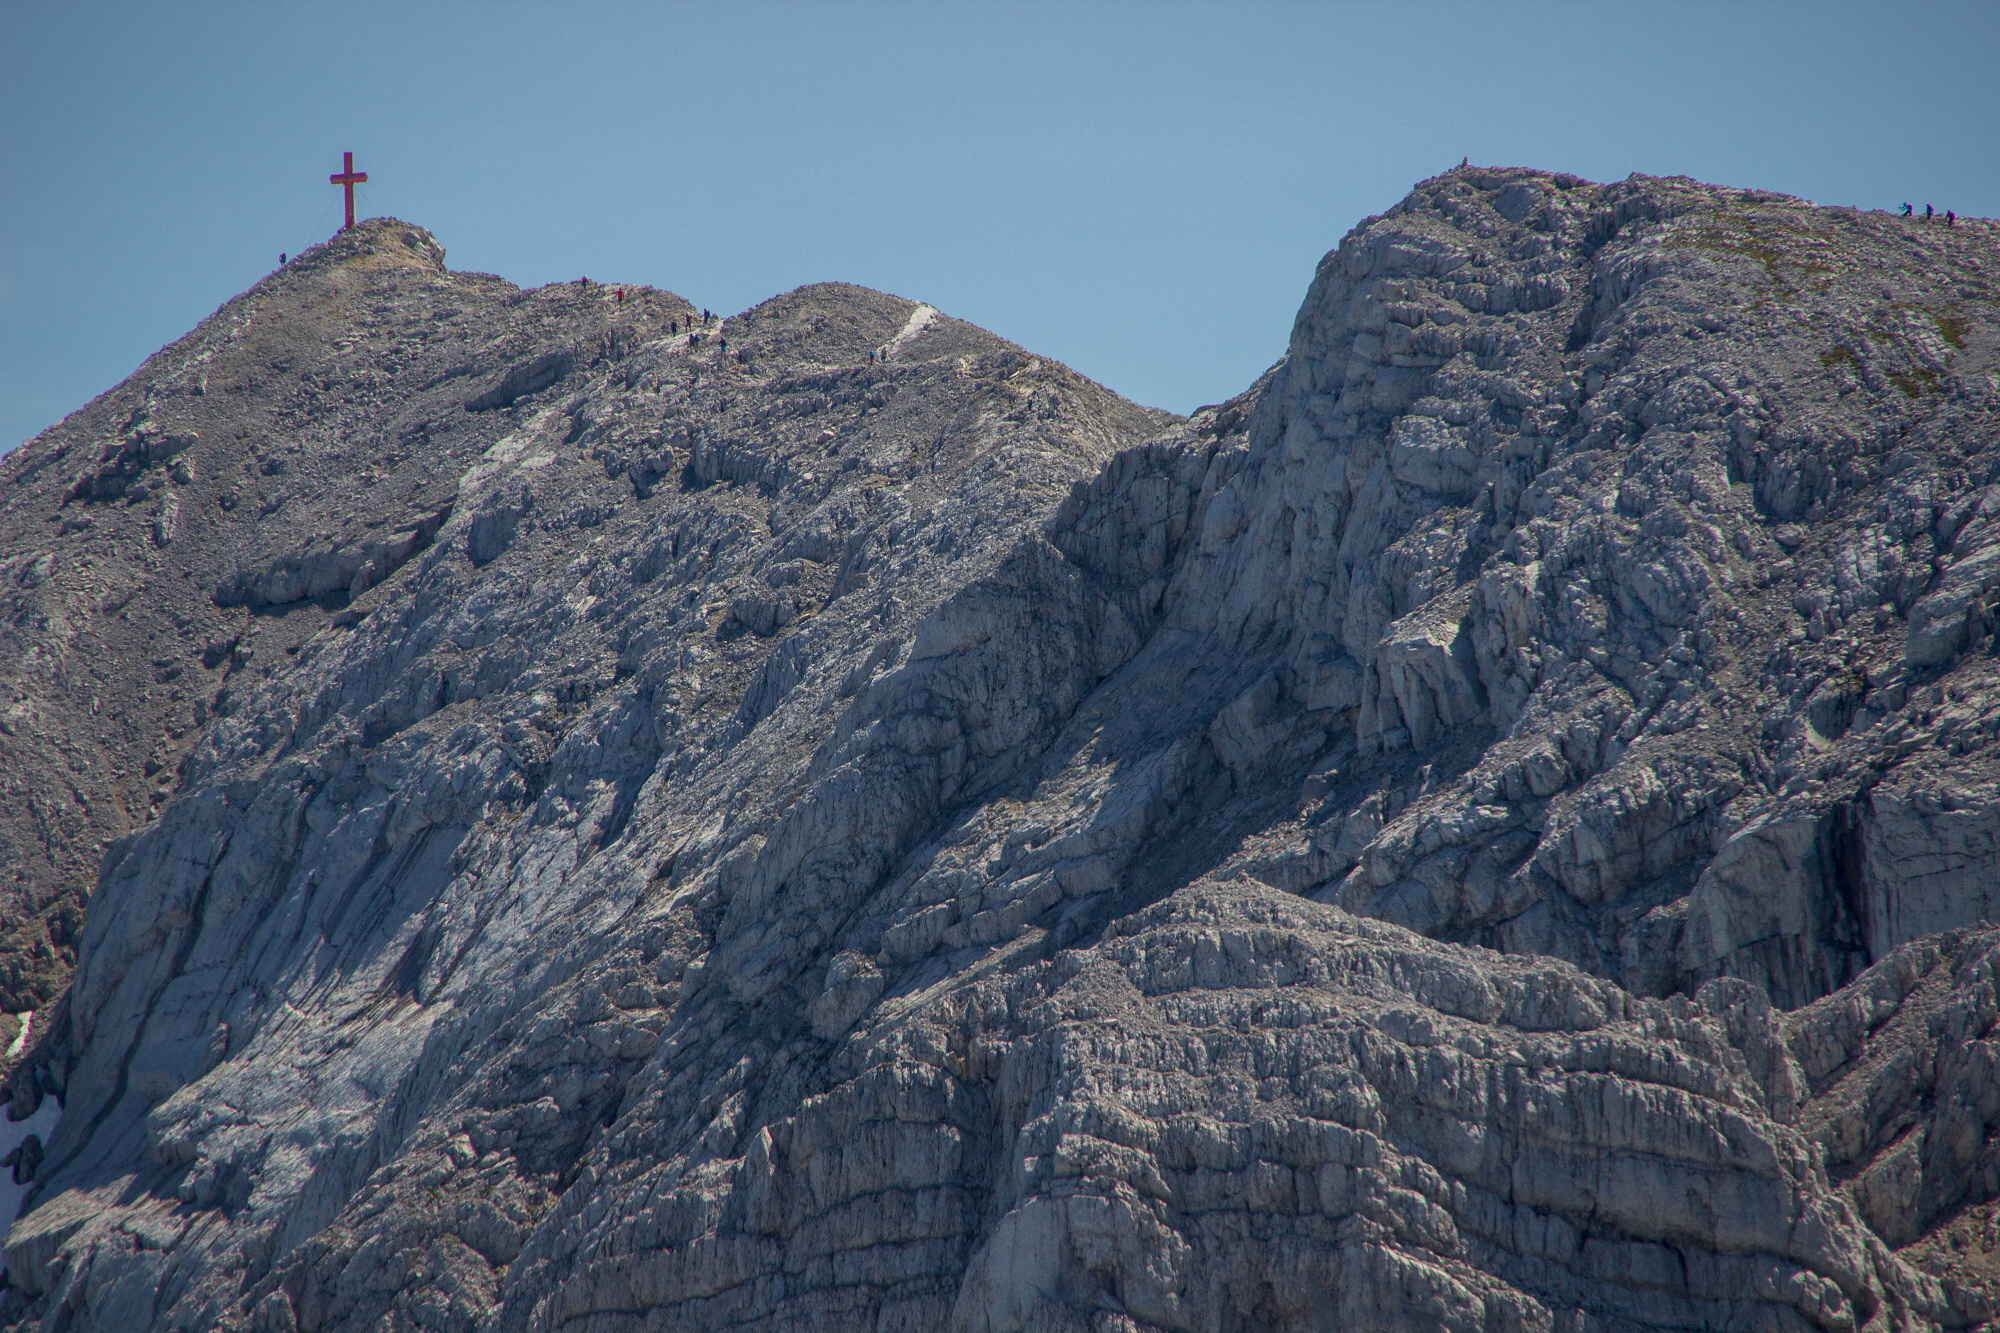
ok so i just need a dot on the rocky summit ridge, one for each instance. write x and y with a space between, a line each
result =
828 820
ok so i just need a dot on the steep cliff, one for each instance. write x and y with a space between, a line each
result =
1490 828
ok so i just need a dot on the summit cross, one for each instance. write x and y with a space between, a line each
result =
348 178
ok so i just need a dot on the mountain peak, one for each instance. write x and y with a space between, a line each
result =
595 815
376 243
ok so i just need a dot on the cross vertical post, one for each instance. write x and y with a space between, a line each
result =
348 179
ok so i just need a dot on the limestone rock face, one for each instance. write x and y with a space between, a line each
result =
184 534
1491 828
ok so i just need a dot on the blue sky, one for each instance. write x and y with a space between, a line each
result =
1141 190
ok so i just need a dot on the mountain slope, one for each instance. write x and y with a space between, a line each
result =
309 426
780 838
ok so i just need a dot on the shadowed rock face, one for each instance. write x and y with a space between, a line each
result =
1491 828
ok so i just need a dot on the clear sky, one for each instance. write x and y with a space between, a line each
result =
1141 190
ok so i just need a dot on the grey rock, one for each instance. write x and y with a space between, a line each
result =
105 684
804 842
1774 906
1897 1083
529 377
166 519
853 983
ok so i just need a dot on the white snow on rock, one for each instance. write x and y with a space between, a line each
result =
918 321
20 1042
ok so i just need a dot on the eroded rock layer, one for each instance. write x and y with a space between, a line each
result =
824 819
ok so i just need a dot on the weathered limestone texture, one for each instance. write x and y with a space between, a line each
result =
1494 828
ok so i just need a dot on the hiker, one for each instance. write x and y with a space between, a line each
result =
281 259
621 296
1927 212
673 326
722 345
1906 210
1950 218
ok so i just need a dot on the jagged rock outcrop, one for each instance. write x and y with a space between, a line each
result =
750 834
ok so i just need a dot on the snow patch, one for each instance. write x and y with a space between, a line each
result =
503 452
918 321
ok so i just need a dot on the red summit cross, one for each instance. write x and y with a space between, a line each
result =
349 178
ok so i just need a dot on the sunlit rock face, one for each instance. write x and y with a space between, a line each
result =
825 819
